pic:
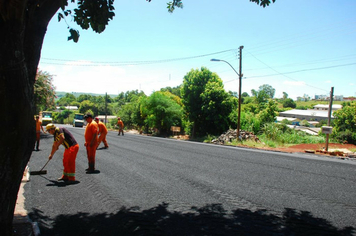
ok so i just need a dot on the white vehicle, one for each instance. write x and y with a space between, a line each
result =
78 120
46 118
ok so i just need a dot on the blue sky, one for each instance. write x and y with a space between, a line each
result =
298 47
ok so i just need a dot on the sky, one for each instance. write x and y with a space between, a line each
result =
298 47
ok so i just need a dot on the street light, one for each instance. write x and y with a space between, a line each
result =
240 84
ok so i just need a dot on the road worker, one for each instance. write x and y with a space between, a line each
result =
64 137
120 124
102 133
91 141
38 132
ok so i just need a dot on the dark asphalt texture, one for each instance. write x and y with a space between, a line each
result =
157 186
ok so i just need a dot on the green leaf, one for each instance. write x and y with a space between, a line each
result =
60 16
74 35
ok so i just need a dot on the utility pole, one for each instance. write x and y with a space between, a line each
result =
329 117
106 107
240 85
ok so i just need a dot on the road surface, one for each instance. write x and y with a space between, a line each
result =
158 186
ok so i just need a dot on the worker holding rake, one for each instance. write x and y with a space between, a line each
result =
103 131
64 137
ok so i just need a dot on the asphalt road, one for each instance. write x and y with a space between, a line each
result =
157 186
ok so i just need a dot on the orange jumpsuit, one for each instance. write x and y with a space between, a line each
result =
121 126
91 140
102 134
38 133
70 153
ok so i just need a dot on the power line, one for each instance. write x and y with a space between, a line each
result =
297 71
123 63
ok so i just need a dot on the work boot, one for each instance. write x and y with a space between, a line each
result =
91 168
63 178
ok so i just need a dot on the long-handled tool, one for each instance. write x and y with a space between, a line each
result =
40 172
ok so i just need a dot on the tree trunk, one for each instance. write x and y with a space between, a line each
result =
16 93
22 30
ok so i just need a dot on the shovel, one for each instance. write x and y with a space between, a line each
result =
40 172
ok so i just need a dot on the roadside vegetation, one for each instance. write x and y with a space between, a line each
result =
202 108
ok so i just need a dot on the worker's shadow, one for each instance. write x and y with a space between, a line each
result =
56 183
92 172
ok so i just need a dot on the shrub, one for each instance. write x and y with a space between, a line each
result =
347 136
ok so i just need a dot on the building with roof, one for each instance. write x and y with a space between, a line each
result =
318 113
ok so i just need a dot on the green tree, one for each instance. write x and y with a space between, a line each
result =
285 95
263 93
87 106
161 112
288 102
202 93
268 115
66 100
63 115
174 90
84 97
130 113
44 93
345 123
23 25
217 104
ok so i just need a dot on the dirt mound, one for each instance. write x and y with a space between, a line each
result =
334 149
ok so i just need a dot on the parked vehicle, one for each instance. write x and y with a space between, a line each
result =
46 117
78 120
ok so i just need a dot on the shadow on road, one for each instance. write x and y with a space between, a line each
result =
209 220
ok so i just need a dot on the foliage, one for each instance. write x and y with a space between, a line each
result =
281 134
286 122
161 112
305 123
249 122
130 112
288 102
345 123
67 100
62 116
88 106
268 114
44 93
263 93
216 106
206 103
174 90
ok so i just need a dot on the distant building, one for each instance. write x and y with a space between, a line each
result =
350 99
320 97
318 113
68 108
338 98
322 107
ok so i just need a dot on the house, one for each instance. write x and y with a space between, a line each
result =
323 107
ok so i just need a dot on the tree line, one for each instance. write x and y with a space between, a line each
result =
200 106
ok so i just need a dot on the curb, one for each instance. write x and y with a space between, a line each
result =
22 224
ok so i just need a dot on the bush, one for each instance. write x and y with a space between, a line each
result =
347 136
280 133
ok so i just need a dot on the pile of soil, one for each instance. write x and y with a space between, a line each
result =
318 148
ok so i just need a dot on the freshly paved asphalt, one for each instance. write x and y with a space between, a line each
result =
157 186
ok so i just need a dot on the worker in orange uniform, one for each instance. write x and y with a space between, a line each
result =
64 137
121 126
38 132
91 141
103 131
